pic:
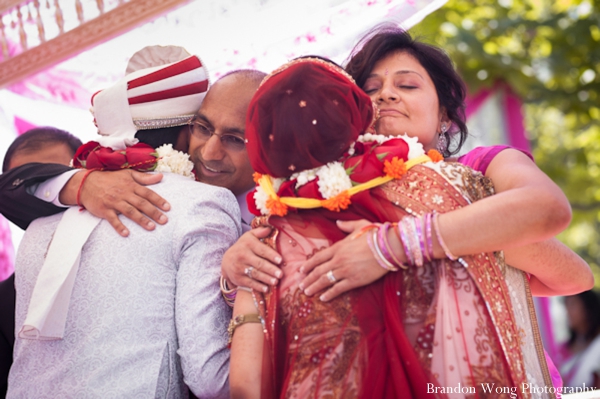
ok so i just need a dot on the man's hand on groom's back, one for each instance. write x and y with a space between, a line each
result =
107 194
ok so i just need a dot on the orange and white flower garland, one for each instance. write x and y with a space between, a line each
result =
335 183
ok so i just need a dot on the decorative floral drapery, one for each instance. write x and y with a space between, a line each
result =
6 250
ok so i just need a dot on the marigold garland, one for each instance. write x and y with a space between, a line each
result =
337 203
276 207
279 206
396 168
435 155
392 169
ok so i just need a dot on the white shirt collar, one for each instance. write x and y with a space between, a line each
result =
246 215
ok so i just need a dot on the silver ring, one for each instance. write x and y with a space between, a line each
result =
248 271
331 277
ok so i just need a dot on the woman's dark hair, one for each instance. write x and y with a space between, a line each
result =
320 57
591 306
37 138
385 40
157 137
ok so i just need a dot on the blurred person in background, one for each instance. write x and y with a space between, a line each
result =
580 355
39 145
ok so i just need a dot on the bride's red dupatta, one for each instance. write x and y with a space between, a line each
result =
351 347
443 326
418 333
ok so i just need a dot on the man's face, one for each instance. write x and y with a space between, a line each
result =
52 153
224 112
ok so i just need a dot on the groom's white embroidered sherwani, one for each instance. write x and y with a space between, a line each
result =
145 313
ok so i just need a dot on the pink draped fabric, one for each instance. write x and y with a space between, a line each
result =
480 158
6 250
351 347
516 135
22 125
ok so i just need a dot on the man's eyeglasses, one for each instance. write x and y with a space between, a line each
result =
201 131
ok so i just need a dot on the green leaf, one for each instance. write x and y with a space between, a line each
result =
382 155
351 169
549 54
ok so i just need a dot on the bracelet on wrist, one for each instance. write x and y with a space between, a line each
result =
393 258
83 179
238 321
438 234
372 240
228 294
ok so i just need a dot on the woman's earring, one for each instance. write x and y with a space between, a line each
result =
371 129
442 144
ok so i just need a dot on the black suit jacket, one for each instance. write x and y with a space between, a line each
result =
7 330
21 208
16 204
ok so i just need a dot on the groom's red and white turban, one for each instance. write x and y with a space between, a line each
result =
165 89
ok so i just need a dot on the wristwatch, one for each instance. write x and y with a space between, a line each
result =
239 320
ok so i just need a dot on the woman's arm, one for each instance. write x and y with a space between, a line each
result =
527 211
245 370
554 268
527 208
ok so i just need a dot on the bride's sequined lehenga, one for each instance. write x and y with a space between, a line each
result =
456 329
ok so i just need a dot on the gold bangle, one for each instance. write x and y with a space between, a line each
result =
239 320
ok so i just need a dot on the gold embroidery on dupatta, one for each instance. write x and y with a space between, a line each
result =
322 339
537 337
323 335
419 288
490 354
473 183
425 189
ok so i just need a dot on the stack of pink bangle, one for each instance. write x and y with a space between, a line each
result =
378 242
416 236
408 230
227 293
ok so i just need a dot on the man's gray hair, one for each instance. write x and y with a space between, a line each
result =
248 75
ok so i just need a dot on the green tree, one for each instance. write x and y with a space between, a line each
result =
548 51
